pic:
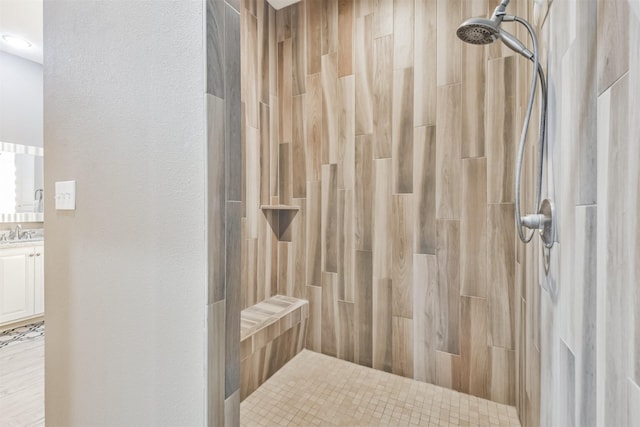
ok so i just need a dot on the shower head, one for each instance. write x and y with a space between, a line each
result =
479 31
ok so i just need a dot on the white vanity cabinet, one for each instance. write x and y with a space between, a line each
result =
21 282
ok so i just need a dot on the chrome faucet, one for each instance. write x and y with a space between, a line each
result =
16 233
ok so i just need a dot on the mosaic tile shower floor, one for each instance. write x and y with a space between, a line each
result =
318 390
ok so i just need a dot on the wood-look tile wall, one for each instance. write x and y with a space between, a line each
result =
370 117
578 342
225 221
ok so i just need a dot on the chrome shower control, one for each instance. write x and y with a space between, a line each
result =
542 221
534 221
548 232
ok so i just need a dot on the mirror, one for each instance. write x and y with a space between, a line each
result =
21 183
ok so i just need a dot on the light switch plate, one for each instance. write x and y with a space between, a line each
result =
66 195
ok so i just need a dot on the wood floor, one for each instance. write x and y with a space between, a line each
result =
22 384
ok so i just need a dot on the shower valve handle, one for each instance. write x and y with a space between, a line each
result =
543 221
535 221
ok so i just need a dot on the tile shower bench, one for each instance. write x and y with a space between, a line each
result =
271 333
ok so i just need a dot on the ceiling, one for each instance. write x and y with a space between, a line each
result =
22 18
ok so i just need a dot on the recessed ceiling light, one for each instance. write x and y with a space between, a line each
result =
16 41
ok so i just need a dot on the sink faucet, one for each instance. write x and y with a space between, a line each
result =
16 233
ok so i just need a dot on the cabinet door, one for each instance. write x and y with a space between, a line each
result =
16 284
38 275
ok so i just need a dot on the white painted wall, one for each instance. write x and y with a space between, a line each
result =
20 100
125 272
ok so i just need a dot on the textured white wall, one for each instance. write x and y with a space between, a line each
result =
126 272
20 100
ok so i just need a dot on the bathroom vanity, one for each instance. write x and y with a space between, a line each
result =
21 280
21 251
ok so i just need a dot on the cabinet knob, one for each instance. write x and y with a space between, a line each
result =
38 254
30 255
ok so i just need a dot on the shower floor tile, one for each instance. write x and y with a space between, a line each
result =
314 389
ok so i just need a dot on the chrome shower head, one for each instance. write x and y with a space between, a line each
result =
479 31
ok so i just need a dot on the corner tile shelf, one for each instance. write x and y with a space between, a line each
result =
280 218
279 208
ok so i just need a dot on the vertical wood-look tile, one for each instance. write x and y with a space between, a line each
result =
345 37
402 131
245 291
501 144
215 362
402 342
382 220
634 159
252 177
402 244
346 247
501 274
232 300
425 67
346 333
274 148
363 216
215 47
424 186
314 335
263 75
363 307
313 116
346 132
382 325
285 184
448 257
363 7
473 346
382 95
502 378
448 162
329 314
475 8
329 26
383 18
473 228
285 91
273 54
233 106
329 108
265 155
613 42
250 76
425 316
285 278
216 189
473 88
330 218
363 45
314 233
314 36
298 46
403 34
299 249
449 47
448 369
298 148
232 406
283 24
